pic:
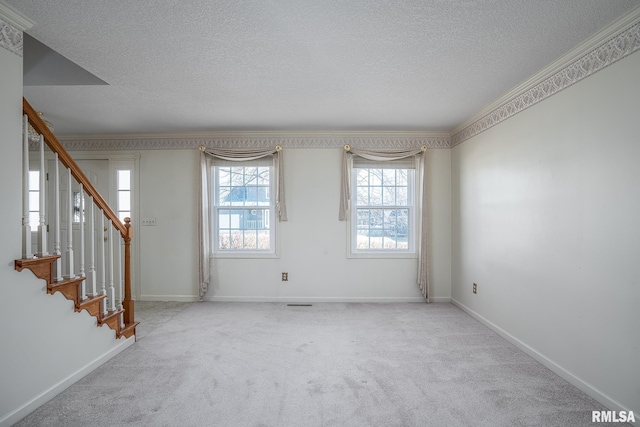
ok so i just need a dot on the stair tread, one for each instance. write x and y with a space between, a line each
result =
91 300
36 260
128 330
110 314
64 282
42 267
92 305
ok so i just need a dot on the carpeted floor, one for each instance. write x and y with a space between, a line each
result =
269 364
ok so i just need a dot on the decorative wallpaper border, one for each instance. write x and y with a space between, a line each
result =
11 38
599 58
316 141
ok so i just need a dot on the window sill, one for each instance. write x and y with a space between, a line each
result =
244 255
382 255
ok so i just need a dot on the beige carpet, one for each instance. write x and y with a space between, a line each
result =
267 364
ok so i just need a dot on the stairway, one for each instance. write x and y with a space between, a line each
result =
70 288
104 290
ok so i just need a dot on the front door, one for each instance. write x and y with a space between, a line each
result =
97 171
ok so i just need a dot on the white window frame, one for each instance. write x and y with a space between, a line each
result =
34 196
413 206
118 189
273 252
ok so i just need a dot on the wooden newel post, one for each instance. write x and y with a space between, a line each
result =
127 302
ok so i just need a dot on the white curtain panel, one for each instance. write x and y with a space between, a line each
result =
204 231
385 156
204 220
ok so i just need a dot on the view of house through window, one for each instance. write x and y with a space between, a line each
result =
383 207
243 207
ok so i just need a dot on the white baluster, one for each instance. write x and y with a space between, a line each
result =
103 265
69 251
112 292
26 226
91 276
56 218
83 284
42 226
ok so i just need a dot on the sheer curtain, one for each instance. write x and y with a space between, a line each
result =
423 220
204 205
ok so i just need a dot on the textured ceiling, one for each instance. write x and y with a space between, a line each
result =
175 66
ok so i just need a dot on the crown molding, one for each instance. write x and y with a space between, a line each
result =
607 46
14 18
370 140
11 38
12 25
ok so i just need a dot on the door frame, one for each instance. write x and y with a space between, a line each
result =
115 161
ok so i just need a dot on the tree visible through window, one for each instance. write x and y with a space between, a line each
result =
244 208
383 208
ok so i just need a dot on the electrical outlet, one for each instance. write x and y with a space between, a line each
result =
285 277
148 221
475 288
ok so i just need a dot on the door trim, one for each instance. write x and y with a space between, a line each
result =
113 160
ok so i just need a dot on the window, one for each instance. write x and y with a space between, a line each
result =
243 207
34 199
78 207
383 209
123 190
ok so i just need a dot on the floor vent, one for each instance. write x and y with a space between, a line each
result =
299 305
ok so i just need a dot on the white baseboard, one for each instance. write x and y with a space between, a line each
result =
312 299
177 298
440 299
18 414
553 366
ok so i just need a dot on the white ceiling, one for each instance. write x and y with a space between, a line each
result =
178 66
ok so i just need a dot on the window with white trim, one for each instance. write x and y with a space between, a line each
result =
123 191
243 207
34 200
383 207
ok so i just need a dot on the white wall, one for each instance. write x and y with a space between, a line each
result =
169 250
45 344
545 220
312 243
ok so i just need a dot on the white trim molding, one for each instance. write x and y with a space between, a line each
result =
177 298
12 25
30 406
312 300
368 140
613 43
11 38
578 382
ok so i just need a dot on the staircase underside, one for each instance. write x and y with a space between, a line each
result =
42 267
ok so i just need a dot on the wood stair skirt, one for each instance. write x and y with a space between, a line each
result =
43 269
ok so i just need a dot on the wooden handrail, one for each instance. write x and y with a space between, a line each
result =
126 230
55 146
